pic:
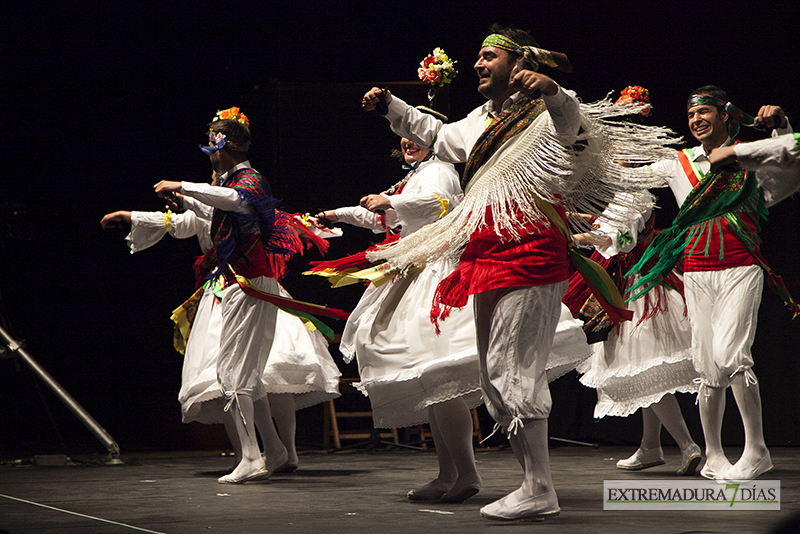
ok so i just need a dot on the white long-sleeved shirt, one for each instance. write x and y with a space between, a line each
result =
622 224
148 227
776 162
431 189
224 198
453 142
679 183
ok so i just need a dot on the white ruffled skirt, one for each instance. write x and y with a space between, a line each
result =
299 363
638 365
405 367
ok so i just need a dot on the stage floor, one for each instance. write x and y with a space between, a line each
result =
350 492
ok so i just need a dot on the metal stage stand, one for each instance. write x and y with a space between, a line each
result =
12 348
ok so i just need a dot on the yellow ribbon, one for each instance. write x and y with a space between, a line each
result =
444 203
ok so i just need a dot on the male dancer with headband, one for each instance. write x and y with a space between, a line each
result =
512 252
718 228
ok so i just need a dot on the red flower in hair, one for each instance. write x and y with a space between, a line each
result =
636 94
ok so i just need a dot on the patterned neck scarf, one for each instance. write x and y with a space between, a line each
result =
510 122
717 195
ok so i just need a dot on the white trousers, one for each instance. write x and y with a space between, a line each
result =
723 311
515 329
248 329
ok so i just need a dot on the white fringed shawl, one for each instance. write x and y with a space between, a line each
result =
580 172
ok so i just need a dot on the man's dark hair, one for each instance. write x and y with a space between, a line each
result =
521 37
234 130
712 90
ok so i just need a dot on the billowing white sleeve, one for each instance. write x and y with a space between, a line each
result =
440 192
777 165
358 216
203 211
224 198
147 228
418 206
781 152
670 170
565 111
621 224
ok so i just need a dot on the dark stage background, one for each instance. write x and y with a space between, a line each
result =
103 100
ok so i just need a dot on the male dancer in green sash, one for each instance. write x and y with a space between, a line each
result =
717 234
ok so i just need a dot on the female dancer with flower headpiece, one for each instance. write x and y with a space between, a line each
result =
410 374
300 371
643 362
640 363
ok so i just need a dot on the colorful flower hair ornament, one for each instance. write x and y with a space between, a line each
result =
636 94
232 114
436 70
218 140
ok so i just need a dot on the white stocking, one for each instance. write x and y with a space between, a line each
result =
532 442
283 412
712 409
451 426
536 498
448 472
748 399
669 413
273 447
230 429
651 429
244 422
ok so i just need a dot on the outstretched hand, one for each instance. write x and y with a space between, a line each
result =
164 188
174 202
324 219
373 97
112 220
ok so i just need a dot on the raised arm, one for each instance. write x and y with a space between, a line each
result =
224 198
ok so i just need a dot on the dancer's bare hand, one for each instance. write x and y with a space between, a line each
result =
165 187
174 202
111 220
372 97
375 203
719 157
528 81
324 219
771 117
